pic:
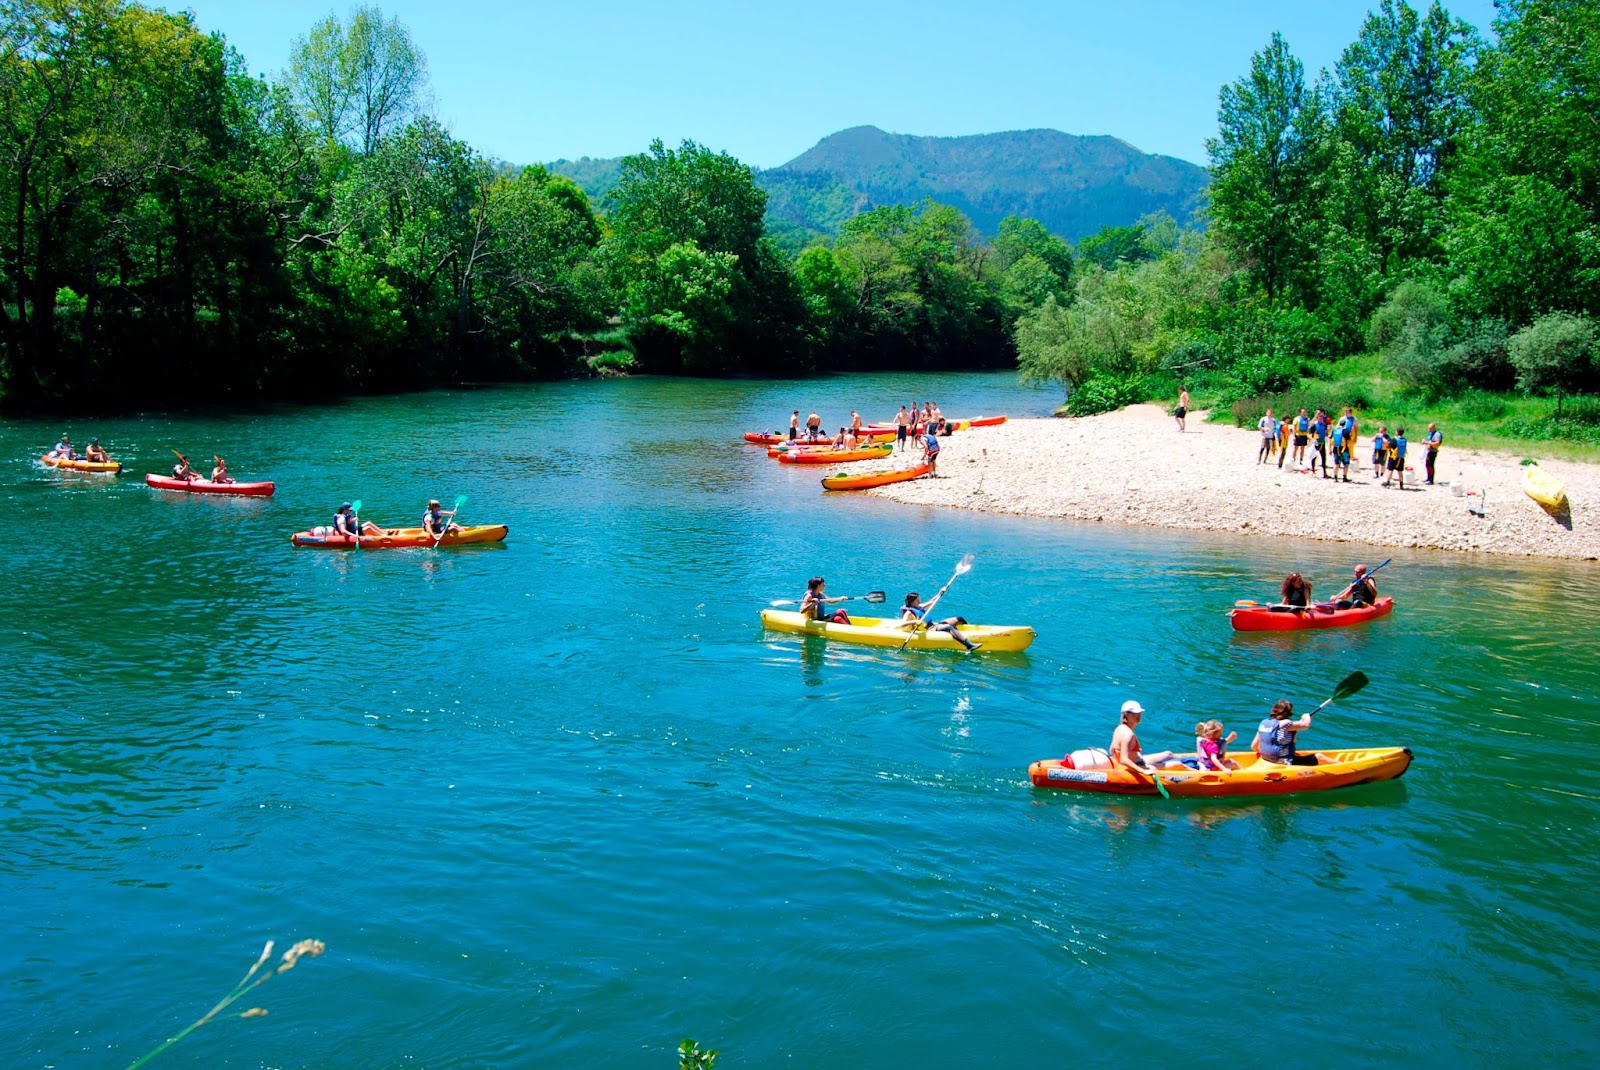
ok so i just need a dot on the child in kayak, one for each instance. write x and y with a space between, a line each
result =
814 606
434 522
1211 750
914 612
1125 749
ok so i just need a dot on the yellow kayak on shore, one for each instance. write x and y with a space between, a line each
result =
1543 487
888 632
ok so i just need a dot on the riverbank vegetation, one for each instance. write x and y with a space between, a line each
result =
1418 229
180 231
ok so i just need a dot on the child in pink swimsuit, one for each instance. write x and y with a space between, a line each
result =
1210 749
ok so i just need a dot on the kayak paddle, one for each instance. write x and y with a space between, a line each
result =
962 568
1346 591
445 529
1346 687
874 597
355 515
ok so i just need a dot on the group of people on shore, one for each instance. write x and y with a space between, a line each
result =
913 613
1305 440
924 423
1274 742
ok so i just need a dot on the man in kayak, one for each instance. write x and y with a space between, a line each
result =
814 606
94 452
63 450
1125 749
1275 736
1363 591
914 613
219 474
434 521
930 450
184 470
346 522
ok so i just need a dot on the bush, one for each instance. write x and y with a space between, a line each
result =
1480 405
1266 373
1417 359
1104 392
1247 412
1414 304
1553 353
1481 357
612 362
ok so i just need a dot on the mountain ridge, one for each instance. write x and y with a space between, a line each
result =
1074 184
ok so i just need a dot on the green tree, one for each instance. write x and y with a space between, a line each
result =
1555 353
358 82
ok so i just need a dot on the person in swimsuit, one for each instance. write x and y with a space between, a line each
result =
435 522
1125 749
930 450
219 474
794 425
1183 407
1435 440
855 423
813 427
1363 591
814 606
1211 750
1295 591
901 423
914 613
1275 736
95 453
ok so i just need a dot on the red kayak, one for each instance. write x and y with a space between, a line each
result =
1284 619
205 486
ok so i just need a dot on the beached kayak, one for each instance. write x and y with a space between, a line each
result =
398 538
205 486
1335 769
986 421
873 479
768 438
1279 619
870 453
104 467
1543 487
885 631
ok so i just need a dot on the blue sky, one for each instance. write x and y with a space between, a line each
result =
536 81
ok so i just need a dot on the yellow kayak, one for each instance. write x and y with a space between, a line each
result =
887 632
1334 769
1543 487
80 465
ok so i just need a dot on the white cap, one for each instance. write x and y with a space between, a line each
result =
1132 707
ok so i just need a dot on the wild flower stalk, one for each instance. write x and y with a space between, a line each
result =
253 979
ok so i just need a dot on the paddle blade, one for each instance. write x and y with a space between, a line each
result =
460 501
874 597
1350 685
964 565
783 602
1246 603
355 506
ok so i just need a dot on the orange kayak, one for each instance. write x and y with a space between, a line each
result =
873 479
395 538
772 438
1334 769
870 453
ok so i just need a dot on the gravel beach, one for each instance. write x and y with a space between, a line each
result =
1135 467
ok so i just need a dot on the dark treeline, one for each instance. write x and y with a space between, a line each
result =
178 231
1434 199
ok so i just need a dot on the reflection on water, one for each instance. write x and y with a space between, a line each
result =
569 783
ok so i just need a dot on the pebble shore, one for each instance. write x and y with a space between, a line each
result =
1135 467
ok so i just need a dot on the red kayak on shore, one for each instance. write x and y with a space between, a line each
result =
205 486
1286 619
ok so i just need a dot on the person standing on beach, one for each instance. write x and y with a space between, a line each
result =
855 423
794 426
1302 436
1435 440
1269 435
1397 458
1183 407
1380 451
1319 428
1341 453
813 427
901 421
930 450
1283 440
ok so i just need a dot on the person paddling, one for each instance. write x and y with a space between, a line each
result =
434 521
1275 736
914 613
814 606
346 522
1363 591
96 453
184 470
219 474
63 450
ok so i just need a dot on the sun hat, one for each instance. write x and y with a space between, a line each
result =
1132 707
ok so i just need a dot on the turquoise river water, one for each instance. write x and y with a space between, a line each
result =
563 802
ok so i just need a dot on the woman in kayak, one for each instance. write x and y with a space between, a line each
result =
1275 736
1296 591
434 521
219 474
1125 749
345 522
814 606
914 612
1363 591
